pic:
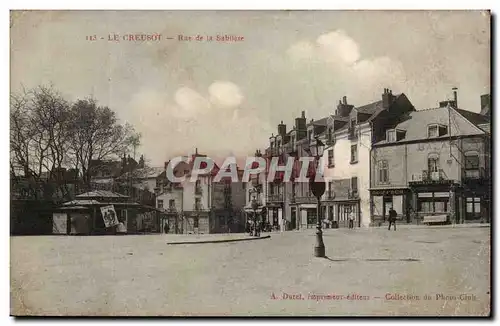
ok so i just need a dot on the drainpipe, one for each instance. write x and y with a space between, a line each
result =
370 172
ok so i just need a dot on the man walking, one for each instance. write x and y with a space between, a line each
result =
392 218
351 219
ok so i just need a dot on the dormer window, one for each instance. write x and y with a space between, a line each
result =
436 130
391 136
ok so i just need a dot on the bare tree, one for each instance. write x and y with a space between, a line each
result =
96 135
39 134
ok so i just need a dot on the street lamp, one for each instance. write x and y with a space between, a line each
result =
255 206
318 189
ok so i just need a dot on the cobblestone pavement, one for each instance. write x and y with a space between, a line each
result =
367 272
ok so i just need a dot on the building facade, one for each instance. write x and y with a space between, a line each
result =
435 162
203 206
349 133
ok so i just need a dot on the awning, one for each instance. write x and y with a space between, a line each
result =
308 206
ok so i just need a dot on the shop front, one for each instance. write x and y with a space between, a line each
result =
443 198
382 200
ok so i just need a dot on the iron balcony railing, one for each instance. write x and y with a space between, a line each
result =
275 198
478 173
433 176
307 198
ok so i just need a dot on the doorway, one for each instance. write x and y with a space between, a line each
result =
293 215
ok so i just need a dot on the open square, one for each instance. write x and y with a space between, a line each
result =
367 272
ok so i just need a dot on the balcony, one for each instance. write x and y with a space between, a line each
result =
352 194
475 174
308 198
437 177
275 198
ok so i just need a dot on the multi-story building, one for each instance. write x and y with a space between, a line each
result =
433 162
349 133
349 136
203 206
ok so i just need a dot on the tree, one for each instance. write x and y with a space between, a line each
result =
39 120
97 135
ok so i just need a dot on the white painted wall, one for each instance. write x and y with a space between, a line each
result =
345 170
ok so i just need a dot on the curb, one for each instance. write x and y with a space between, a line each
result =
218 241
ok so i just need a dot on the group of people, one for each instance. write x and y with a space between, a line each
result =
392 218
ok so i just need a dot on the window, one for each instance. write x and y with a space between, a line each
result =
197 203
433 205
472 166
195 222
354 184
391 136
330 135
311 217
433 163
331 161
432 131
293 188
473 207
160 203
310 134
354 153
383 171
472 162
330 189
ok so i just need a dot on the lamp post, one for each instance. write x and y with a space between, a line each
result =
318 189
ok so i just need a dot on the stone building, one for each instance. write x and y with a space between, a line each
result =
433 162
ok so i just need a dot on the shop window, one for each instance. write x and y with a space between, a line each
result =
195 222
473 207
311 216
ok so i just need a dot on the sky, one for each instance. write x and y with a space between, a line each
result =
227 98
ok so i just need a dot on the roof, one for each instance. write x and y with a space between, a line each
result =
144 173
473 117
100 194
81 202
416 122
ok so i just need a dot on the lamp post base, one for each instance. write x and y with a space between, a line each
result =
319 249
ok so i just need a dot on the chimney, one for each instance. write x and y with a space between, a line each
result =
485 104
281 129
343 109
387 98
455 97
300 123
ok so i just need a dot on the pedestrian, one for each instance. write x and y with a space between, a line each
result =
166 228
351 219
392 218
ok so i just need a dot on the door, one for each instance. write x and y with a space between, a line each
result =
387 207
293 216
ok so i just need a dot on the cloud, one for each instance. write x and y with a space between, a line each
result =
336 46
341 55
225 94
216 124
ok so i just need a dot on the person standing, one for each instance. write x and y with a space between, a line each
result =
351 219
392 218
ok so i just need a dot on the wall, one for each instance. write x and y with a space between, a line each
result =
189 194
175 194
343 169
